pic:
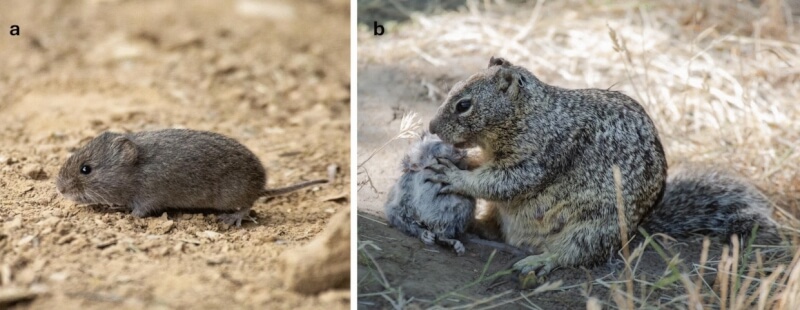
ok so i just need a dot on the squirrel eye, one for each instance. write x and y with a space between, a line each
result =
463 105
85 169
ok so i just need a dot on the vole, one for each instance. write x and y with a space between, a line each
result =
150 172
415 205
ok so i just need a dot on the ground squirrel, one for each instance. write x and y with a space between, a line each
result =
549 154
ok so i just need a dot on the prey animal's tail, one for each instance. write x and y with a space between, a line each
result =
272 192
712 202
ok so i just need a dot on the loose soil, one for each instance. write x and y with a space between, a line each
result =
257 71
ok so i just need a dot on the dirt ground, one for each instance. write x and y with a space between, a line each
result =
255 70
411 70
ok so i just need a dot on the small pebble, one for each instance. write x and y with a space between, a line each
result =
332 170
34 171
208 234
216 260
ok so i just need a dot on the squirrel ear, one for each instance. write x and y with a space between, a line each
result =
509 81
498 61
125 149
521 80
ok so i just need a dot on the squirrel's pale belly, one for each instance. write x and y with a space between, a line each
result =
534 224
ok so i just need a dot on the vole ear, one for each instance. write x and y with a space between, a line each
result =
124 149
406 164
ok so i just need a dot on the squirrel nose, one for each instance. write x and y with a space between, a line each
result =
433 126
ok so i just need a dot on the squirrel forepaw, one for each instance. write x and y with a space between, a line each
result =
443 179
444 166
539 265
448 174
447 189
438 178
447 163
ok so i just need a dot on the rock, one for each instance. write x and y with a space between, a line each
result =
34 171
59 276
275 10
49 222
323 263
12 295
332 170
25 240
13 224
335 296
160 226
66 239
216 260
208 234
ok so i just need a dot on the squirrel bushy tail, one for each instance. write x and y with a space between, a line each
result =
713 202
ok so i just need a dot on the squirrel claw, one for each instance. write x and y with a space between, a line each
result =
447 163
538 265
447 189
438 168
437 178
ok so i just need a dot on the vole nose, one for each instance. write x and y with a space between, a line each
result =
60 186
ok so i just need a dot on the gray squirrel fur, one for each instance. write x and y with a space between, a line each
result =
414 205
549 154
151 172
712 201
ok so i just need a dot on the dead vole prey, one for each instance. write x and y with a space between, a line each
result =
150 172
415 205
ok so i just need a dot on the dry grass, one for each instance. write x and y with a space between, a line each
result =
409 129
719 78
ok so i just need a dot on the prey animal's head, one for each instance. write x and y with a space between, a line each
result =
101 172
427 149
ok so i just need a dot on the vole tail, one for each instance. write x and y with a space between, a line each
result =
713 202
272 192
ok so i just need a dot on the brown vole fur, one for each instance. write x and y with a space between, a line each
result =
150 172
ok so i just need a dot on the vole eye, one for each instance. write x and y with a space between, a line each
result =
85 169
463 105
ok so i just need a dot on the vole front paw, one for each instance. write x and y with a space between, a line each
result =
427 237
